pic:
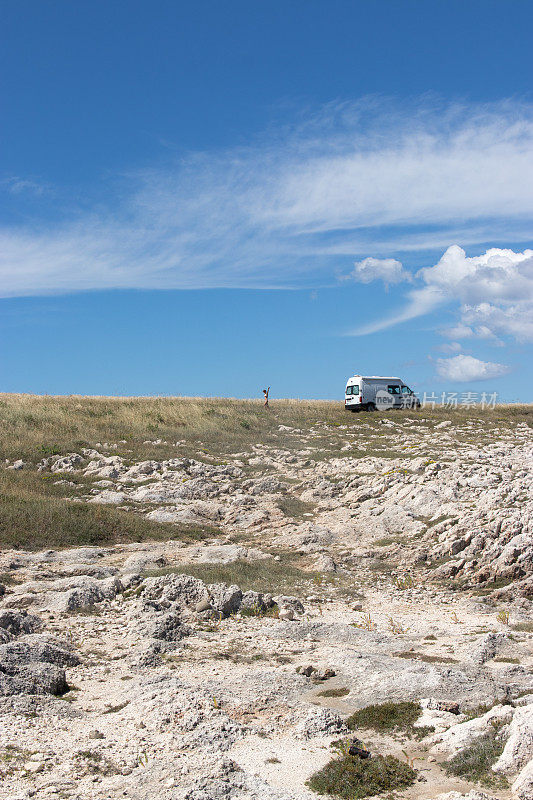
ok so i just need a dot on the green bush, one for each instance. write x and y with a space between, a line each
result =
386 717
351 777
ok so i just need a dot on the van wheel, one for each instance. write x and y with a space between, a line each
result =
371 407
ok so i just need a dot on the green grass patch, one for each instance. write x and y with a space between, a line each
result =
351 777
525 627
409 654
341 692
32 426
474 763
388 540
389 718
259 611
293 507
266 575
33 516
10 579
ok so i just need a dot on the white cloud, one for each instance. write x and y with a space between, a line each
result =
451 347
16 185
281 211
421 301
493 292
389 270
500 275
491 320
459 331
463 368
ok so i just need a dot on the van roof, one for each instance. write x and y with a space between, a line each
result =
375 377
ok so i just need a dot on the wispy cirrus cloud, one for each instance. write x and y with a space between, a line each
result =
18 186
286 209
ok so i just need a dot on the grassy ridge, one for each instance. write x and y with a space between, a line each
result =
34 426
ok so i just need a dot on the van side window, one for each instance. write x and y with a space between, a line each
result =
393 389
406 390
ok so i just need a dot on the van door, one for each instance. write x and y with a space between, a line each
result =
394 389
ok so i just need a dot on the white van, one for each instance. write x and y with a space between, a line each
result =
373 392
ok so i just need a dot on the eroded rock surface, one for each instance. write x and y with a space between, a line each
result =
338 567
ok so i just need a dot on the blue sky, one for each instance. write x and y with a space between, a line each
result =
203 198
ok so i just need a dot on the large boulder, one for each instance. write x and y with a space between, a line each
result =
225 599
36 647
85 593
518 750
256 602
288 603
489 647
34 664
14 622
183 591
320 722
35 678
168 627
523 785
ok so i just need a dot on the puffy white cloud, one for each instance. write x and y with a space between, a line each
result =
489 320
500 275
389 270
464 368
289 205
493 292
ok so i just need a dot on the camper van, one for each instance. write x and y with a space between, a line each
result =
376 392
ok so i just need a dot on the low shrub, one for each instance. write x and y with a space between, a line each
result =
341 692
389 718
351 777
474 763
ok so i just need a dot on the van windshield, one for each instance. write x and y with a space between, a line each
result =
352 389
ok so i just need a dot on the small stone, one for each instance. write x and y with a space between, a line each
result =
203 605
286 613
34 766
94 734
325 674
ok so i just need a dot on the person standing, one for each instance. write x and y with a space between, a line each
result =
266 393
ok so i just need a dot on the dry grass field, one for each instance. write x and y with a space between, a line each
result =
33 426
36 512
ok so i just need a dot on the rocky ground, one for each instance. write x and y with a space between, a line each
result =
388 558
